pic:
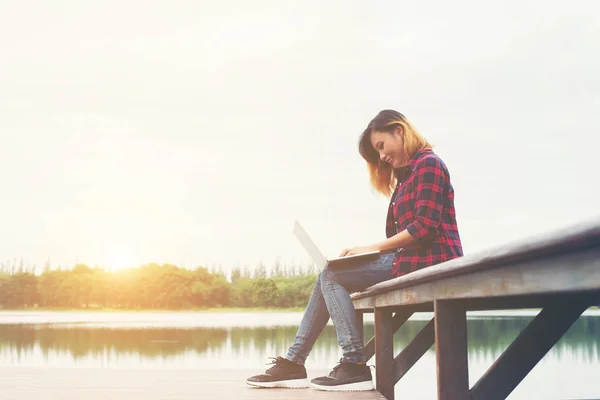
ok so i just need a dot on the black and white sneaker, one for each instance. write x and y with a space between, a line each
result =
346 376
284 374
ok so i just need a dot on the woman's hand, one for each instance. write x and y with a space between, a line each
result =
357 250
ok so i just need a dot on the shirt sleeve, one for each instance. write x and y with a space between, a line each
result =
429 182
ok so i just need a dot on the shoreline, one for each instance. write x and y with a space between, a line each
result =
153 310
593 311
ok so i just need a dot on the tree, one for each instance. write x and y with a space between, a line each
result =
99 287
260 271
27 284
82 282
264 292
294 291
236 274
241 293
151 286
277 269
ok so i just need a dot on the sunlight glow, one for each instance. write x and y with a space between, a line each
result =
120 256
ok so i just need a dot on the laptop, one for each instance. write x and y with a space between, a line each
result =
320 260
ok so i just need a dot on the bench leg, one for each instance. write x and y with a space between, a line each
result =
400 317
529 348
360 325
384 352
451 350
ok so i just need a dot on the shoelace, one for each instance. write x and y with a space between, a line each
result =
275 362
339 365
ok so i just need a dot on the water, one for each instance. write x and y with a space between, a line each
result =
246 340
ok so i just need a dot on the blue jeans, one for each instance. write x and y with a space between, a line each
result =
331 298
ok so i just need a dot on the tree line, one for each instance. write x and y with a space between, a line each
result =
154 286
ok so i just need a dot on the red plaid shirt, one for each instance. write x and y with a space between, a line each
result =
423 203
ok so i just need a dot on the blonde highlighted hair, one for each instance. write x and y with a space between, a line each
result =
382 176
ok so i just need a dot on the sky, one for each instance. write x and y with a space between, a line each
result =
195 133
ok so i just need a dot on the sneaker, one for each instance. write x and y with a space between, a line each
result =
346 376
283 374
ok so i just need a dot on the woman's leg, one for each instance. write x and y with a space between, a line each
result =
290 371
331 297
336 286
314 320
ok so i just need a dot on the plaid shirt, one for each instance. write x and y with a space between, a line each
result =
423 203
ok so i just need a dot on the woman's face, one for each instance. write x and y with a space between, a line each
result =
390 146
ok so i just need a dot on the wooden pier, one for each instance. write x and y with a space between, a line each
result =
151 384
559 274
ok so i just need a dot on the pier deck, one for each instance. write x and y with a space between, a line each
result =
25 383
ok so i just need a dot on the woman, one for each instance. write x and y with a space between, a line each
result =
421 231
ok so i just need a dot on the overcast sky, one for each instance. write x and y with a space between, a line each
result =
196 132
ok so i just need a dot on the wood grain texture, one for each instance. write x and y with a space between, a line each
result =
384 352
150 384
397 321
564 265
574 272
360 325
451 351
575 239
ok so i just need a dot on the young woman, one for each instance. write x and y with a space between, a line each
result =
421 231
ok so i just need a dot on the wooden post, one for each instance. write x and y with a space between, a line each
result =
451 350
400 317
360 326
384 352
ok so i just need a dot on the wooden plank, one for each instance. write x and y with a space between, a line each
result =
366 305
398 320
542 276
529 348
384 352
17 383
414 351
537 301
576 239
451 351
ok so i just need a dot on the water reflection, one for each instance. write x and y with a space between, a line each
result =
26 344
80 342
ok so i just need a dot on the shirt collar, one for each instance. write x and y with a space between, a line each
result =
403 173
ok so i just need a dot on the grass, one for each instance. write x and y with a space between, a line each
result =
164 310
157 310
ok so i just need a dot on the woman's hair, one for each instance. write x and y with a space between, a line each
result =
382 176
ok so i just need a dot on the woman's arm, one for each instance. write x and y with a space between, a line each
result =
429 182
399 240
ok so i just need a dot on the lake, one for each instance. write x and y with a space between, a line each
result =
212 340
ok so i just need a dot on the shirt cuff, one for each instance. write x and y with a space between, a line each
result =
417 230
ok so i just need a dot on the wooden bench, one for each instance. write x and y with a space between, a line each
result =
558 273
